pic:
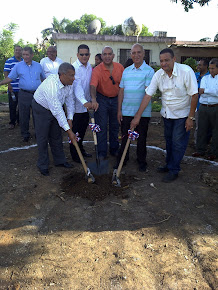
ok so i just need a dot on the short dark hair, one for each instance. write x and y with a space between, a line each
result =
82 46
205 61
28 48
98 55
17 45
167 50
214 61
64 67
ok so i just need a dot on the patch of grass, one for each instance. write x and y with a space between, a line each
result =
4 94
3 98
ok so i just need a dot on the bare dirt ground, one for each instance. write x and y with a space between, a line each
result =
59 232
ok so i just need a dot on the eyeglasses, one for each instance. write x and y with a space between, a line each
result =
113 81
82 54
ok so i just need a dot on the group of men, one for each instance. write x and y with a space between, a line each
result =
118 97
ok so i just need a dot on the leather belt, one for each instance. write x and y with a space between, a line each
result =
205 105
26 91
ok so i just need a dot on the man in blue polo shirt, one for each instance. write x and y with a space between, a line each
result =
13 87
134 80
30 75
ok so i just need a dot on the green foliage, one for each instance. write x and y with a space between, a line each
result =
145 31
188 4
80 26
191 62
156 106
6 44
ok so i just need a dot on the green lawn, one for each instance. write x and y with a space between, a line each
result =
3 94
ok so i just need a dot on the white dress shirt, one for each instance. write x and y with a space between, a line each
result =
176 90
82 85
52 94
210 86
49 66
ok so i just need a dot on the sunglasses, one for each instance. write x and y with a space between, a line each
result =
82 54
112 79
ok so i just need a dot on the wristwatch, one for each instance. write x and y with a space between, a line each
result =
192 118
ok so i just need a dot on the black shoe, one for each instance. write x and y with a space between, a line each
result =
170 177
26 139
76 159
142 167
65 165
85 154
44 172
115 154
162 169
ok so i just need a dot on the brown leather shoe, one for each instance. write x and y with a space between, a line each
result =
197 154
211 157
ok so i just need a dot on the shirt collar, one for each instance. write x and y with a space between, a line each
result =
174 73
140 68
80 64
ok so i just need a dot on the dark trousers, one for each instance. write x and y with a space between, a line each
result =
80 123
107 112
14 113
47 131
176 142
207 119
142 129
24 104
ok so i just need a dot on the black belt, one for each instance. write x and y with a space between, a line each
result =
205 105
100 95
30 92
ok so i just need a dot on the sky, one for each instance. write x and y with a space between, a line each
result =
157 15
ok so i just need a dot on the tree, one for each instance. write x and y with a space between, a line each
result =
57 26
81 26
145 31
7 44
216 37
191 62
188 4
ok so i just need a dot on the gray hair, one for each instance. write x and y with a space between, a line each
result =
64 67
214 61
137 44
107 47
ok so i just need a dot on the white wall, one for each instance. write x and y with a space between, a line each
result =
67 49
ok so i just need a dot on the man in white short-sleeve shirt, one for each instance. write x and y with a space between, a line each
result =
178 85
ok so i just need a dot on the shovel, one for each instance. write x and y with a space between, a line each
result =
89 175
99 167
132 135
116 172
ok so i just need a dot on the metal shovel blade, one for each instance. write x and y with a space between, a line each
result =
99 168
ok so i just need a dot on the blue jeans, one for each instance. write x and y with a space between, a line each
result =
107 111
176 142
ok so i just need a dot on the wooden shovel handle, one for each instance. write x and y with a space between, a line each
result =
80 156
123 157
94 133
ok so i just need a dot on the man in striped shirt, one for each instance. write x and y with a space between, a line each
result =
132 90
13 87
